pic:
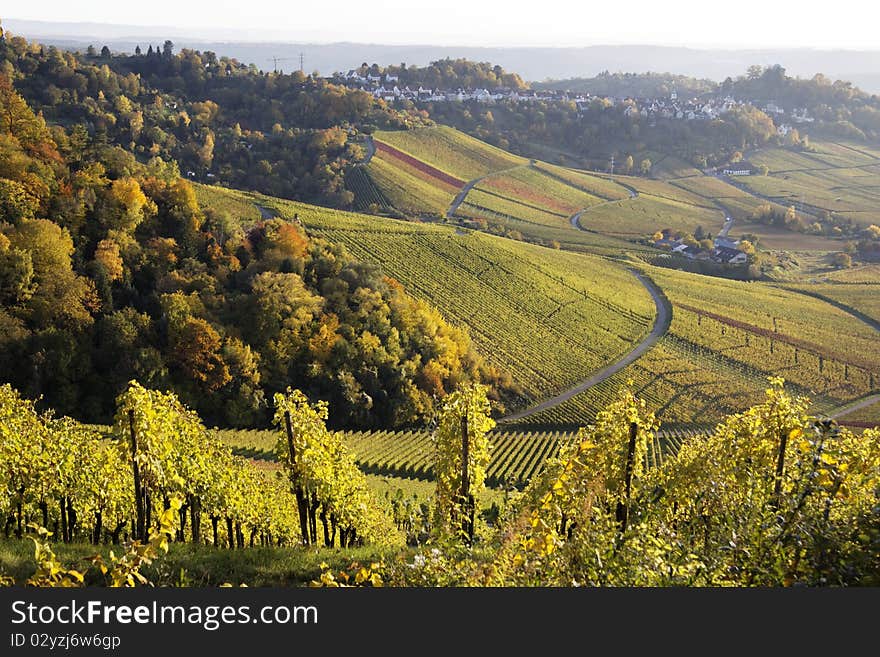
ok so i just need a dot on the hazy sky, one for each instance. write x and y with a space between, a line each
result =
847 24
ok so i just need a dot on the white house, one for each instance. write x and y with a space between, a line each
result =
738 169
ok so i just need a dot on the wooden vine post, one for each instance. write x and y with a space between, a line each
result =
467 500
623 505
302 503
780 468
140 524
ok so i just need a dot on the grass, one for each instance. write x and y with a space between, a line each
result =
204 565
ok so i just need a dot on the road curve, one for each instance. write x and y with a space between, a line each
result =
846 410
661 325
575 219
370 148
470 184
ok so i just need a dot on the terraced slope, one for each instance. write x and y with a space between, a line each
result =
837 177
516 456
726 337
548 317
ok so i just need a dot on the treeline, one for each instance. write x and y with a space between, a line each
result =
446 74
111 270
633 85
836 106
222 121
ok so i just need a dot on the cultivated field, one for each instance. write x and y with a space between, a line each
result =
726 337
403 459
546 316
838 177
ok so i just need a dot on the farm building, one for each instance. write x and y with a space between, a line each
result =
729 256
738 169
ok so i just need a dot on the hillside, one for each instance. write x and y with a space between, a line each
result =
726 338
548 317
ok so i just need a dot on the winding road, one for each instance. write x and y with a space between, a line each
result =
575 219
370 148
470 184
846 410
661 325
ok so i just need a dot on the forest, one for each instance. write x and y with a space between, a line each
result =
111 270
220 120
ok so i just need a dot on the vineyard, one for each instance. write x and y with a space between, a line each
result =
599 186
548 317
863 297
110 486
239 205
449 151
158 467
366 194
867 416
726 337
739 204
515 457
834 177
646 214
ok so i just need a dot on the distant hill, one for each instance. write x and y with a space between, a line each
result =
859 67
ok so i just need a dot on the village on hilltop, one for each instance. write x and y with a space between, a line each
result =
701 108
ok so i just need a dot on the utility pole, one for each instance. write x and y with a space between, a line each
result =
301 58
612 165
